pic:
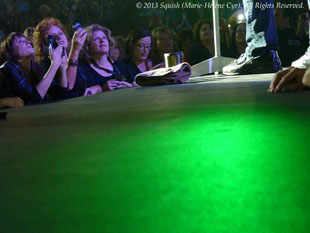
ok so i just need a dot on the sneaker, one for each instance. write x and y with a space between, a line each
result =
268 63
303 62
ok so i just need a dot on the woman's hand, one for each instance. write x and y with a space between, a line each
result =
113 84
92 90
158 66
55 55
122 84
78 40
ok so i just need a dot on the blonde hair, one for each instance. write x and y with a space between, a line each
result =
90 30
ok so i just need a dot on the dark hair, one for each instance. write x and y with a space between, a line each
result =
197 27
183 35
7 48
133 37
233 46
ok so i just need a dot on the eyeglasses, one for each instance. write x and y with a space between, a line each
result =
142 46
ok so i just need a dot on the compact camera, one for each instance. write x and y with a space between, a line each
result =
76 26
52 41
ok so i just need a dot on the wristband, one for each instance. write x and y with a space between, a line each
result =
73 63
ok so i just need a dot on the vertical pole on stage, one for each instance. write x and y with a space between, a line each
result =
216 63
216 31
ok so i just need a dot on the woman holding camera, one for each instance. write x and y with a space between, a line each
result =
23 77
50 32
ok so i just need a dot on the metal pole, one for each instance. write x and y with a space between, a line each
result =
216 29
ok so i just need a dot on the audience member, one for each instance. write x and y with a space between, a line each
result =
163 41
22 76
51 27
204 44
98 68
238 42
138 47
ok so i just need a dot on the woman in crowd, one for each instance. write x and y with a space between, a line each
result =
52 27
238 42
49 27
22 77
96 66
138 48
163 39
204 44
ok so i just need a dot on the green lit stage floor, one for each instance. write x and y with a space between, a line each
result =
214 155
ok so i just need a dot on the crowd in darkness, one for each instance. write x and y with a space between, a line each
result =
115 42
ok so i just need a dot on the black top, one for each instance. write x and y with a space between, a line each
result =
156 60
290 46
128 69
16 83
200 53
87 77
57 93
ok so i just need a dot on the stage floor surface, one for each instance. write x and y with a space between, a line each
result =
217 154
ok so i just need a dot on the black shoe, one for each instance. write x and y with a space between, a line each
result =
268 63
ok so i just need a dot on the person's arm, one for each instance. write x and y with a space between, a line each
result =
45 83
63 81
78 40
291 79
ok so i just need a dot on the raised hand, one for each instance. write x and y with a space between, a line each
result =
78 39
55 55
